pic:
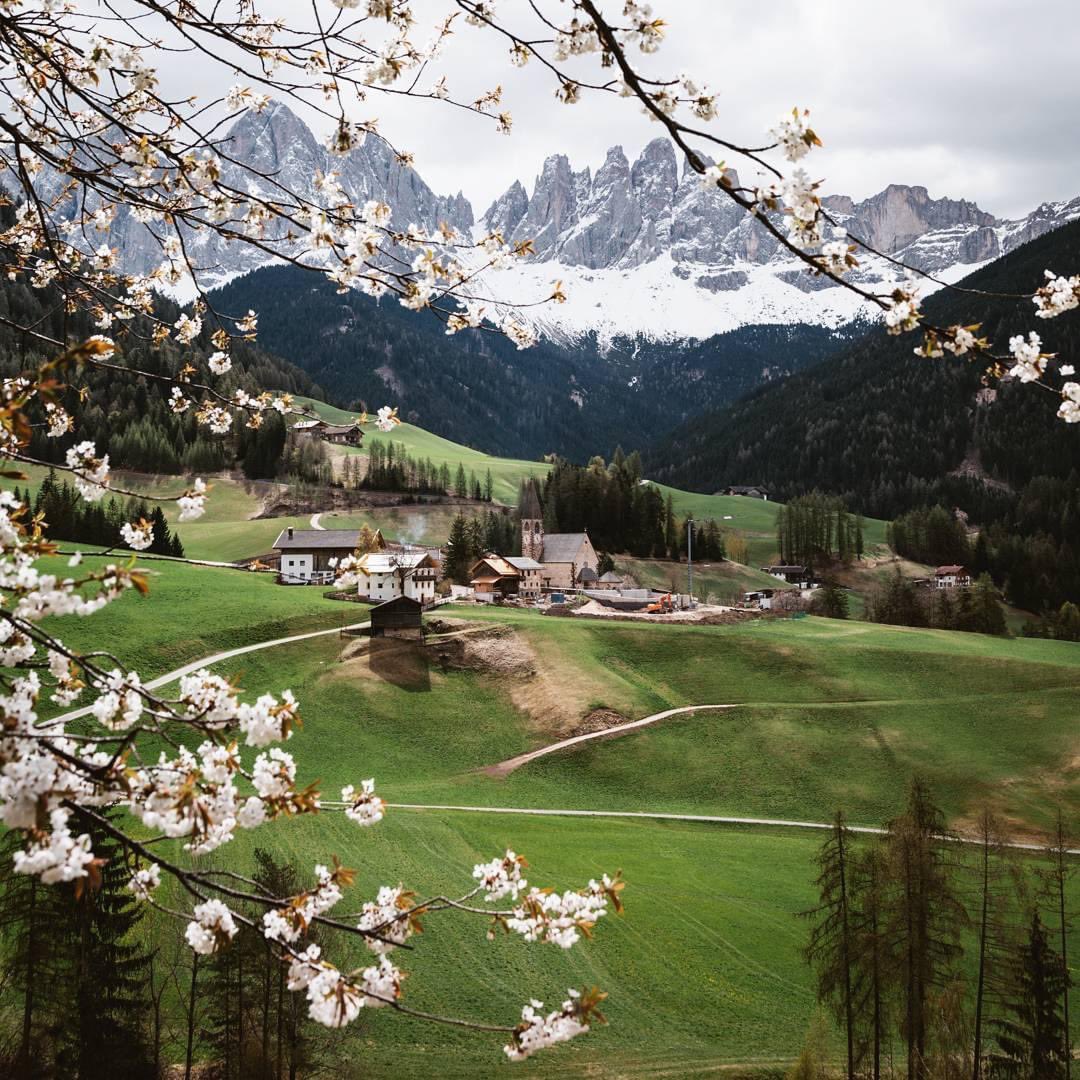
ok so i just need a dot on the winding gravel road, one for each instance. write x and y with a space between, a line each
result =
504 768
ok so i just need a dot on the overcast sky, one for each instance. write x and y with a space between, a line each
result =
974 99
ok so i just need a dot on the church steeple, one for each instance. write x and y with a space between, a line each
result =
532 522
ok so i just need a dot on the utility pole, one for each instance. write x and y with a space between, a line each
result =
690 558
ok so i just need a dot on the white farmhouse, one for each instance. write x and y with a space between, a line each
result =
952 577
386 575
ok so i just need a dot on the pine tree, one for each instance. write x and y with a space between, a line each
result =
670 529
830 601
989 877
29 915
1032 1038
873 957
988 615
1057 878
924 917
457 562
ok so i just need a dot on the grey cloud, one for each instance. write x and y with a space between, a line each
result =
970 98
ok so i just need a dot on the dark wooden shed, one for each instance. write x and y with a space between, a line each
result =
400 618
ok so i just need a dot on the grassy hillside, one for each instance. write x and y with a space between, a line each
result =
753 518
506 473
232 530
726 581
835 714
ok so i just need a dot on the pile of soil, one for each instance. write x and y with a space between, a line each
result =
598 720
702 615
490 650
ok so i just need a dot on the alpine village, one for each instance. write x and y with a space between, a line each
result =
523 554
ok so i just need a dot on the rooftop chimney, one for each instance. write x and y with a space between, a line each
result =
290 532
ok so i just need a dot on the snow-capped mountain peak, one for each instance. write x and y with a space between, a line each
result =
642 247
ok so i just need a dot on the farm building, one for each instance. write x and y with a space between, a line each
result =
386 575
308 556
951 577
493 576
752 491
512 575
345 434
762 599
793 575
531 576
401 617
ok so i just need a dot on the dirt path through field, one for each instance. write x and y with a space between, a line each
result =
505 768
705 819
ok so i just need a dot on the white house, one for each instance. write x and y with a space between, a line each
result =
386 575
951 577
308 556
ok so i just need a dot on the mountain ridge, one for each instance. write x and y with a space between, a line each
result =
642 247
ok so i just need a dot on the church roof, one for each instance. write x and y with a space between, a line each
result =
530 502
563 547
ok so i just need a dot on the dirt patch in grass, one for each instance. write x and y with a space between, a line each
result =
598 720
558 699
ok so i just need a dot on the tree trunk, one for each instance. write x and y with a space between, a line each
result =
240 1013
265 1069
977 1066
280 1020
191 1016
1062 872
910 957
228 1029
846 949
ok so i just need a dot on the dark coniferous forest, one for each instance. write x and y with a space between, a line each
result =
130 418
889 431
477 388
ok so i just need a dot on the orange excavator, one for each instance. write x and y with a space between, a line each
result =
663 606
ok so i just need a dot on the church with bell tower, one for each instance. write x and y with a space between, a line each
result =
568 559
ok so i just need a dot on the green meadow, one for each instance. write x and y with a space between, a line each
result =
704 970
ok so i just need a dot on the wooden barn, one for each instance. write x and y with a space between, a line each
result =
399 618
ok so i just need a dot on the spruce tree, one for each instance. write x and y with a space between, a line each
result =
1031 1038
924 917
457 562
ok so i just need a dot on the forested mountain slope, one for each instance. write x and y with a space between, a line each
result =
889 430
477 388
130 418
